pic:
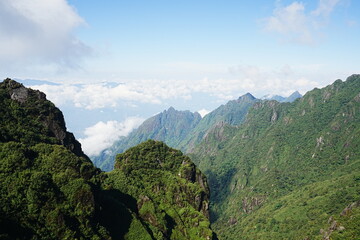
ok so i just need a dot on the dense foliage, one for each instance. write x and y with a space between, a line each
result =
50 190
289 169
173 195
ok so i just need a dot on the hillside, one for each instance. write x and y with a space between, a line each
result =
290 169
50 190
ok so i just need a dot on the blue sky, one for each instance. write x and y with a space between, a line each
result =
174 39
121 60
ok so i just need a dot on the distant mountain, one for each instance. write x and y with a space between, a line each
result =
291 98
32 82
273 97
179 129
50 190
232 113
290 171
170 126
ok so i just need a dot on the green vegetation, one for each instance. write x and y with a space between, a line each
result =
50 190
179 129
172 194
276 171
288 168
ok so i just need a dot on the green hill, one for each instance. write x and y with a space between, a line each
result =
290 169
50 190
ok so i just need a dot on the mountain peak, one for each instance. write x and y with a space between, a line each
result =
295 95
171 109
41 119
247 96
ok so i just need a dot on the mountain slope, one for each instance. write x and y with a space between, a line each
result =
179 129
170 126
50 190
232 113
289 168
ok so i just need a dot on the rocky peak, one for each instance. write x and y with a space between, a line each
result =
247 97
19 93
42 118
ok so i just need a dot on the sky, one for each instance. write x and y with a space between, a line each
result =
115 63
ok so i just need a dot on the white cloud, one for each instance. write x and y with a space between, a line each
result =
203 112
241 79
325 7
95 96
103 134
281 81
40 31
236 82
295 24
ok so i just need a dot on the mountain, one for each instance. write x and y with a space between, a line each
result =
295 95
49 189
178 129
170 126
273 97
232 113
290 171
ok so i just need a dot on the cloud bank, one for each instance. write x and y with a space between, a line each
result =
240 79
103 134
40 31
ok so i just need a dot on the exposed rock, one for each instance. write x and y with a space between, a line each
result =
349 208
357 98
311 102
274 116
19 94
250 203
326 95
232 221
319 141
287 120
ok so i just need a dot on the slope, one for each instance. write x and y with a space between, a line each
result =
289 168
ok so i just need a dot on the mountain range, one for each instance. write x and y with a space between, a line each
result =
281 170
181 129
275 170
